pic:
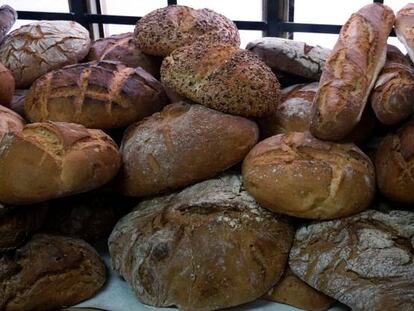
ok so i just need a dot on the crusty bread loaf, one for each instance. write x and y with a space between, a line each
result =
208 247
48 273
222 77
404 24
299 175
166 29
10 122
365 261
50 160
8 17
392 97
293 291
350 72
123 49
181 145
102 95
39 47
7 85
293 57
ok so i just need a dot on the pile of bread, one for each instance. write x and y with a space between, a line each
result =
230 188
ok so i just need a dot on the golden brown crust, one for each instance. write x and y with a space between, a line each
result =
101 94
350 72
166 29
10 122
6 86
404 23
222 77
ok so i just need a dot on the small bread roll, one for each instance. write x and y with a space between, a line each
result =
299 175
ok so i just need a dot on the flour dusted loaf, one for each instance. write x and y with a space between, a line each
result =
350 72
8 17
10 122
208 247
299 175
48 273
50 160
365 261
181 145
222 77
7 86
101 94
404 24
166 29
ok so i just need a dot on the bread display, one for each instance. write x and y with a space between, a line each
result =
292 57
350 72
208 247
102 95
166 29
181 145
8 17
365 261
51 160
25 50
122 48
404 24
7 85
222 77
48 273
9 122
299 175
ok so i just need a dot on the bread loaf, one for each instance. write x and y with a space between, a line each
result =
51 160
39 47
391 97
404 24
299 175
8 17
48 273
166 29
9 122
222 77
6 85
181 145
365 261
350 72
100 95
207 247
293 57
123 49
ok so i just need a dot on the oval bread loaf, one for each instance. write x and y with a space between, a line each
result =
10 122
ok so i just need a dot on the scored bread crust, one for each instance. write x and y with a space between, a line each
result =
166 29
350 72
404 26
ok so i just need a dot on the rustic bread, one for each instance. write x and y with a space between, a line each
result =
39 47
350 72
10 122
392 97
208 247
51 160
293 57
291 290
17 103
299 175
8 17
48 273
123 49
102 95
166 29
222 77
365 261
404 23
6 85
181 145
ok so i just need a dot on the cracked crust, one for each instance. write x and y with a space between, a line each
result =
48 273
299 175
166 29
208 247
8 17
365 261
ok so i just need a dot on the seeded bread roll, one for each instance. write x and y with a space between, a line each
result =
181 145
222 77
48 273
208 247
101 95
8 17
51 160
164 30
10 122
351 71
299 175
6 86
404 24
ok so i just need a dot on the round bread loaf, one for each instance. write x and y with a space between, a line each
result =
207 247
181 145
39 47
164 30
48 273
10 122
50 160
299 175
222 77
365 261
99 95
123 49
6 86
